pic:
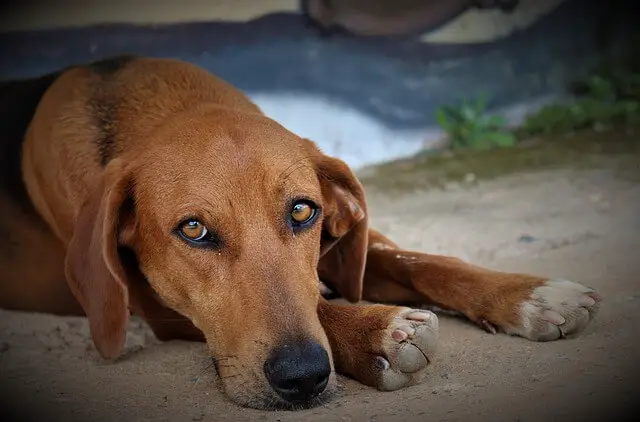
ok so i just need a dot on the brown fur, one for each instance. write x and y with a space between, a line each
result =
115 154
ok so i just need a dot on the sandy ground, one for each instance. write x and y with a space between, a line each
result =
581 225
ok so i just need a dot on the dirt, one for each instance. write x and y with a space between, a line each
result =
572 221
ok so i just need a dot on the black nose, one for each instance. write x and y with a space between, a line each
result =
298 372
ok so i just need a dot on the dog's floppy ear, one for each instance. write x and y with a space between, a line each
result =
343 250
93 268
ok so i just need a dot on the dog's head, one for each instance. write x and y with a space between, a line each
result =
228 217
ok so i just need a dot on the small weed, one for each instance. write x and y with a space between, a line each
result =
468 126
609 97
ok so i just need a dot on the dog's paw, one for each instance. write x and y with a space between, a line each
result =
408 346
554 310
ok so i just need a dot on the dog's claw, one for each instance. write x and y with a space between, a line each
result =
419 316
382 363
488 326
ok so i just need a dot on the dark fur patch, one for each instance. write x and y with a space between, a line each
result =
18 102
104 107
104 112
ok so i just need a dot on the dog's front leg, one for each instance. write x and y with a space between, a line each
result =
387 347
536 308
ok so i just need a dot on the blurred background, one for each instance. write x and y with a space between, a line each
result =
364 79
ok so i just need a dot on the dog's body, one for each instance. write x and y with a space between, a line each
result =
150 186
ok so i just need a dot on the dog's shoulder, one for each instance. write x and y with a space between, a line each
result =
19 100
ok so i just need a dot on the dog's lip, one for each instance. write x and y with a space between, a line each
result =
319 400
273 402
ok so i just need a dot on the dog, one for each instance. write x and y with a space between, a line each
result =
149 186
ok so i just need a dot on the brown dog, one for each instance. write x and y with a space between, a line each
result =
155 188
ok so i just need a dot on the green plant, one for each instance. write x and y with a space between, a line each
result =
609 97
468 126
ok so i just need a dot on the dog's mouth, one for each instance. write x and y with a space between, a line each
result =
259 394
275 402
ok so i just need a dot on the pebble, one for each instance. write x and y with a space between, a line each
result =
527 238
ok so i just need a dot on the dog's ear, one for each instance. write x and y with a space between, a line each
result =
93 267
343 250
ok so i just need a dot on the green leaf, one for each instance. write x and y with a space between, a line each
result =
481 104
443 119
468 114
501 139
468 127
495 121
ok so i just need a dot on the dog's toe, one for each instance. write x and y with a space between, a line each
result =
409 344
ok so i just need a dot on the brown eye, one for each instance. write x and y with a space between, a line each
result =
193 230
302 213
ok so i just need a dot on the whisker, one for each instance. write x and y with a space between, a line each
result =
203 371
224 357
262 343
222 362
288 167
290 171
303 165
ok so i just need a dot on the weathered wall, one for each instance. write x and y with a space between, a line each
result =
365 99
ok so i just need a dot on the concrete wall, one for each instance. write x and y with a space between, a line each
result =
48 14
365 99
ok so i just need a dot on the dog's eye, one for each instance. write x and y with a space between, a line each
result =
303 213
193 230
